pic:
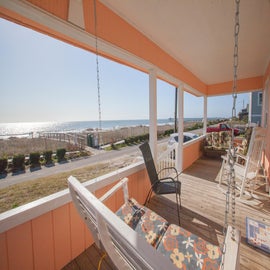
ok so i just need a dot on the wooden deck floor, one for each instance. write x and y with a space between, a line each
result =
202 213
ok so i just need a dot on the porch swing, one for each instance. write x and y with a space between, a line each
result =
125 236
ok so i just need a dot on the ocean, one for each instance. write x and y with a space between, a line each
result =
26 128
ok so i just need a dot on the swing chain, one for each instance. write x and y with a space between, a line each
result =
98 76
235 57
233 149
230 193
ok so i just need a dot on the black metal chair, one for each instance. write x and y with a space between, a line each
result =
161 186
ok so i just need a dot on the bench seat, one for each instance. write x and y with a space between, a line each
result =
136 237
184 249
188 251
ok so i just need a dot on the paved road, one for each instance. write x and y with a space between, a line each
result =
102 156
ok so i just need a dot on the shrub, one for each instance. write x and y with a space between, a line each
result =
3 164
137 139
168 132
34 158
60 153
48 156
18 162
113 146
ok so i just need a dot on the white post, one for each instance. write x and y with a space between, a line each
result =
250 109
204 114
180 101
153 113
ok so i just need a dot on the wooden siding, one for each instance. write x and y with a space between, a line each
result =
53 239
191 152
202 213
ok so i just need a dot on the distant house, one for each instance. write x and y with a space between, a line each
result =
243 114
255 107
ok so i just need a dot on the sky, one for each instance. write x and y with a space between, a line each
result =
43 79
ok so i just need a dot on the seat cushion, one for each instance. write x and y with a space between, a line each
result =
144 221
188 251
131 213
168 187
151 226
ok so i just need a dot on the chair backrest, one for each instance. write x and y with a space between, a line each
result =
126 248
254 154
149 162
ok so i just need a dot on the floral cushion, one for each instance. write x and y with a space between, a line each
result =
188 251
225 139
215 139
152 227
208 139
144 221
131 213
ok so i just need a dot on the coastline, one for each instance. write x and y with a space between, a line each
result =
32 129
26 145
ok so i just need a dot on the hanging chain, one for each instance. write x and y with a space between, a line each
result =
235 57
232 150
98 77
230 193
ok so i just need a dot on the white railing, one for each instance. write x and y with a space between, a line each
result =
166 159
169 157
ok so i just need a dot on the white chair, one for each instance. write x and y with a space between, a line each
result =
247 166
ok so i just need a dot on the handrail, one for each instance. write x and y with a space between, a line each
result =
24 213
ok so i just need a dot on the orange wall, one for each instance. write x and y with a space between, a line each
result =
191 153
52 240
47 242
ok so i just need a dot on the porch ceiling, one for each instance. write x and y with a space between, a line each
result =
188 42
199 34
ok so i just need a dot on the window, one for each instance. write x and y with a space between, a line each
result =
260 99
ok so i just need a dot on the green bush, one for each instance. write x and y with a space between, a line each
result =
60 153
113 146
136 139
195 126
48 156
18 162
3 164
168 132
34 159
